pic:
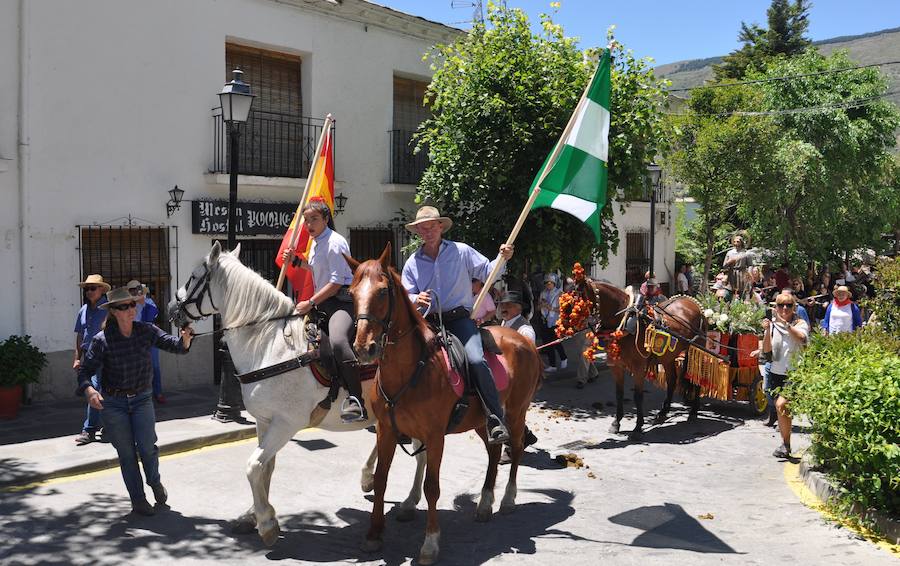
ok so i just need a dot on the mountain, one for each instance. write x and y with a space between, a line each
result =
876 47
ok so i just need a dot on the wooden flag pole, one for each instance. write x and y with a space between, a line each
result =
298 222
495 272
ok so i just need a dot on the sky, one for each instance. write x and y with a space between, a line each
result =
668 30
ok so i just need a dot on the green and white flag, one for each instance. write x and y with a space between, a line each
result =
576 181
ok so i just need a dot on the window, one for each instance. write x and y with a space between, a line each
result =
407 167
123 253
368 243
637 257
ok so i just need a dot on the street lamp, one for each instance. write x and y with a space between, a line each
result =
236 101
175 196
340 202
654 174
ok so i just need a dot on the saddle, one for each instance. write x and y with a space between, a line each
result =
324 368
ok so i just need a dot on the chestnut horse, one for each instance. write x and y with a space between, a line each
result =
682 315
412 377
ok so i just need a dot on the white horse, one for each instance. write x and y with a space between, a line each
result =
283 404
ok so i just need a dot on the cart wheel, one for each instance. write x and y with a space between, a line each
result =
757 395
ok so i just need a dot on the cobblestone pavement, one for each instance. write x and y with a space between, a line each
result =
688 493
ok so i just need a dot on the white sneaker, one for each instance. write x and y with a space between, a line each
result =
564 364
549 369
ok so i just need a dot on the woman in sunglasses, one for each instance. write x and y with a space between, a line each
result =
122 350
784 336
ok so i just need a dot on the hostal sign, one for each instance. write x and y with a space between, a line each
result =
253 218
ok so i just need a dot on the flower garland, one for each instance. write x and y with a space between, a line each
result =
574 309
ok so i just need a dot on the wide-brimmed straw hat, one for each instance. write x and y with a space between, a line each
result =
95 279
841 289
427 213
116 296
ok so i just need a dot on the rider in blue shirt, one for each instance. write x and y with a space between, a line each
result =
438 279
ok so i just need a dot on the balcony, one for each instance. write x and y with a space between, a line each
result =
405 167
271 144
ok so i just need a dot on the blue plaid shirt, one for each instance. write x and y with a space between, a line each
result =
125 361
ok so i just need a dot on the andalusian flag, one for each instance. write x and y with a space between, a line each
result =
321 188
576 182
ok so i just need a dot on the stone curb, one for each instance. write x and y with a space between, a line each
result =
822 487
165 449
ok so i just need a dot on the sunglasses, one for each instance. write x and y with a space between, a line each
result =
90 288
785 305
136 291
125 306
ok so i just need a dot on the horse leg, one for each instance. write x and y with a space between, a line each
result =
246 521
516 449
485 507
385 445
259 473
428 554
671 380
619 377
407 509
695 403
639 407
367 481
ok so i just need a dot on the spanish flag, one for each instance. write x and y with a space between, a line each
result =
321 188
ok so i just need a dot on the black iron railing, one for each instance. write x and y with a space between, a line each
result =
406 167
271 144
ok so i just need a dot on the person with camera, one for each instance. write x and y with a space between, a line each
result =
784 336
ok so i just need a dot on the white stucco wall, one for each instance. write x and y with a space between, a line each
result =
118 100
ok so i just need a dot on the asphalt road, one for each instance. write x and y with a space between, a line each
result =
699 493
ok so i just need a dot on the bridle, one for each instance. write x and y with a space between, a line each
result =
386 323
195 295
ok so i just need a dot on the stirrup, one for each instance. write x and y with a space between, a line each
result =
497 432
352 410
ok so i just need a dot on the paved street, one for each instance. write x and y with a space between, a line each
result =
705 493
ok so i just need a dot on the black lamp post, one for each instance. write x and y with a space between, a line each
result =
236 101
340 202
654 172
175 196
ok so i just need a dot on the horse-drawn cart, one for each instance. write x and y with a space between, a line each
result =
725 382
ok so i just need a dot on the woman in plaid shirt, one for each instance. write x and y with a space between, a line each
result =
122 350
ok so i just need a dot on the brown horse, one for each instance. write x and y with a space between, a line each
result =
682 315
412 378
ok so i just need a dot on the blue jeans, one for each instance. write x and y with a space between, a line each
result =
93 420
157 378
130 424
469 335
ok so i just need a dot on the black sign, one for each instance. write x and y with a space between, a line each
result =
253 218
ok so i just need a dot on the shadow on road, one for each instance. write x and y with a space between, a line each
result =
669 527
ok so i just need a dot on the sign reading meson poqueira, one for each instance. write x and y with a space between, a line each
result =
253 218
576 181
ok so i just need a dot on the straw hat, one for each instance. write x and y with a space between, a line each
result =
841 289
427 213
116 296
652 282
134 284
95 280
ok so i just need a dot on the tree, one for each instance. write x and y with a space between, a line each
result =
501 97
785 36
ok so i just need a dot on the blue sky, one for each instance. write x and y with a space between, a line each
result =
672 30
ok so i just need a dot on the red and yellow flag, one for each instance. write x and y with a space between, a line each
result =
321 187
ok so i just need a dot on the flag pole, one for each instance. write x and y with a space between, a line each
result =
298 222
527 208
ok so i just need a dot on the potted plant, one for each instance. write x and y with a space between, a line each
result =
20 362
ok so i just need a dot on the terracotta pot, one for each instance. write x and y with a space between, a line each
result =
10 400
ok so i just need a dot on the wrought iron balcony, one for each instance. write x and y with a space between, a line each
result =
271 144
406 167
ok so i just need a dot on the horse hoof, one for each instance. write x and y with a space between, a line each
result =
270 537
507 509
372 545
243 526
426 559
692 418
483 515
368 484
406 515
636 434
660 419
614 428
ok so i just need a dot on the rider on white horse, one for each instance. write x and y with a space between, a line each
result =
331 279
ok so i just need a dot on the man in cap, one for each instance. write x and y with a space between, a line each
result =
87 323
510 309
438 278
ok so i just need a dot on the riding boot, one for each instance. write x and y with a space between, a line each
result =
352 409
487 391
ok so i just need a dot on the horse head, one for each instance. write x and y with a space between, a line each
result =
608 301
376 292
199 296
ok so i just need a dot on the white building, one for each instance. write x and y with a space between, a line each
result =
108 105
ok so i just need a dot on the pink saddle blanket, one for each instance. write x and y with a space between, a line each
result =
499 370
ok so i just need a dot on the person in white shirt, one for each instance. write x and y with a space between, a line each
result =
550 314
785 335
842 314
682 287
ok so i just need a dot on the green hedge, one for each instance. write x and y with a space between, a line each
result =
849 387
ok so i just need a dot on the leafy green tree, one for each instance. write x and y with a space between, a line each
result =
785 35
501 97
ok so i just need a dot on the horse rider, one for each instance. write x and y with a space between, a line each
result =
650 294
331 281
438 278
